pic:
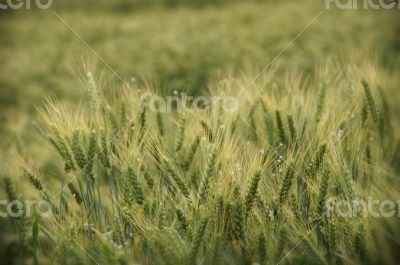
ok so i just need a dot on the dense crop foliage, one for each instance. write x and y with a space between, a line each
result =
250 186
116 173
179 48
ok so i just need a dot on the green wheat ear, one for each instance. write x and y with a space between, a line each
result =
142 130
177 179
118 235
295 206
149 179
198 238
211 166
238 228
268 123
104 154
142 117
252 192
182 220
64 149
91 155
386 116
332 241
281 130
22 222
364 114
371 102
323 190
34 180
127 194
77 150
75 193
38 185
135 186
321 102
285 187
93 93
181 133
316 162
10 189
113 120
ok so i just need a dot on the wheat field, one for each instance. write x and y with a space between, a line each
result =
253 160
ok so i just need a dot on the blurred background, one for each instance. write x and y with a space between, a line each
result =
173 44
